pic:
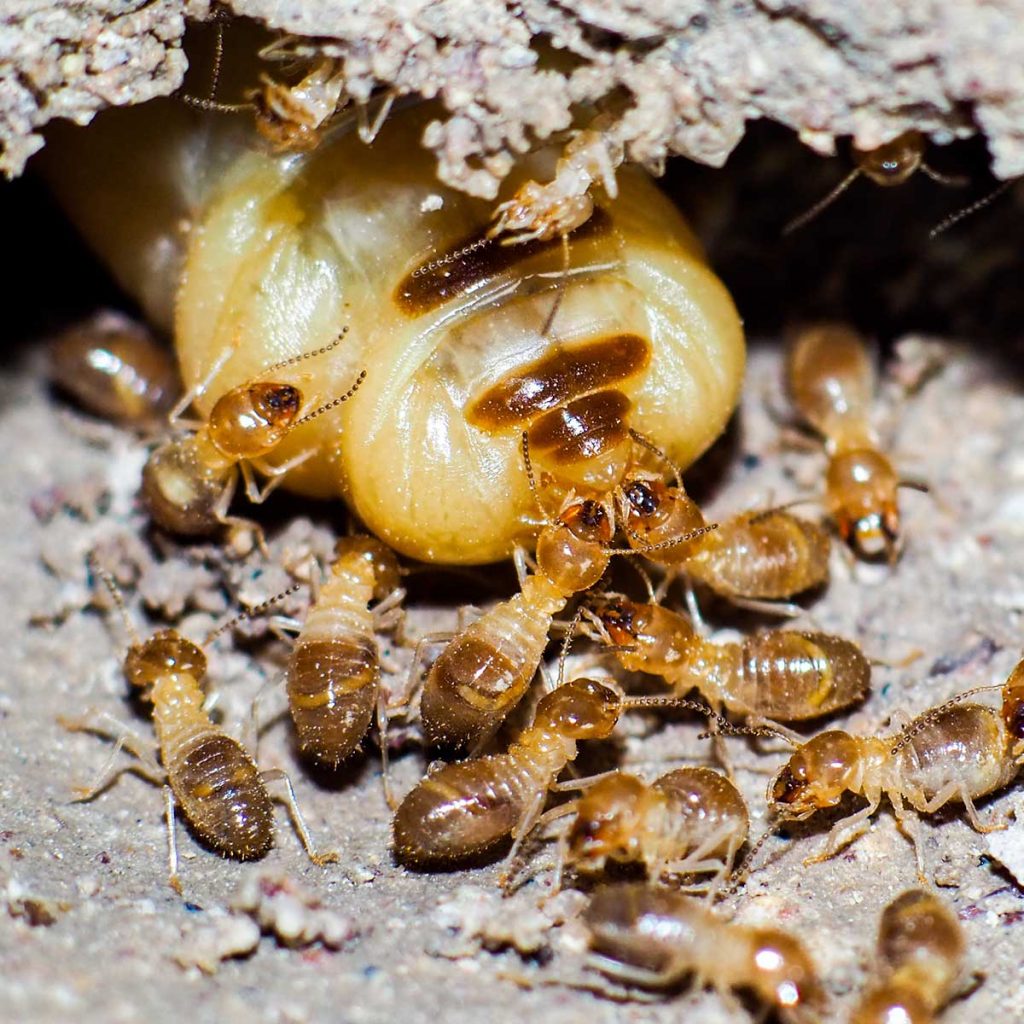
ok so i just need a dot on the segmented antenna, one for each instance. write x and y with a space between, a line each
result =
661 545
808 215
333 404
302 356
560 288
645 442
570 635
978 204
528 463
249 613
927 717
209 103
115 592
740 872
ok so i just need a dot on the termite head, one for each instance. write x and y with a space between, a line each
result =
164 653
387 573
894 1002
572 552
894 162
249 421
644 498
781 972
660 514
608 822
1013 707
861 486
816 776
582 709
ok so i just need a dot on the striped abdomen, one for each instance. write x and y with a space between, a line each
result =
216 783
762 555
463 812
484 672
334 672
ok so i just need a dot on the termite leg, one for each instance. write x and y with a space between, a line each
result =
847 829
275 475
385 764
174 416
279 774
524 827
172 844
414 685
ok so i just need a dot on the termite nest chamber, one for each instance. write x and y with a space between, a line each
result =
351 330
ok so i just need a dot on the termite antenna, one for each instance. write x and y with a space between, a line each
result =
115 592
949 180
528 463
967 211
303 356
560 288
729 729
669 701
681 539
249 613
798 222
570 635
646 442
334 403
740 872
208 103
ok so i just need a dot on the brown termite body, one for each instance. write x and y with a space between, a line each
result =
758 555
782 675
921 949
655 937
465 811
210 776
188 482
893 163
957 752
831 383
689 821
333 679
114 368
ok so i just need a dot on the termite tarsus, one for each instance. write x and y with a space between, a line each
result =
920 958
956 752
831 382
654 937
207 773
781 675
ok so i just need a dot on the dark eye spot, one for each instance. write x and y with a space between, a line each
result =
642 498
592 513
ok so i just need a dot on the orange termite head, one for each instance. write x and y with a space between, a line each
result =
251 420
589 520
893 162
620 619
162 654
782 973
387 573
816 776
583 709
573 552
608 822
861 487
894 1002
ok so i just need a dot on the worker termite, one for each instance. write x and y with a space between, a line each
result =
831 383
114 368
753 557
892 163
456 323
485 670
920 959
189 481
333 678
689 821
465 811
654 937
208 774
957 752
782 675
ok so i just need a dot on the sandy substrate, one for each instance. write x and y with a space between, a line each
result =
90 931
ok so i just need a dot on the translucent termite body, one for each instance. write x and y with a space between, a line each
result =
831 383
655 937
783 675
955 753
333 679
767 554
486 669
267 254
921 949
689 821
114 368
465 811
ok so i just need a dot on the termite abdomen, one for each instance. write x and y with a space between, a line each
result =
222 795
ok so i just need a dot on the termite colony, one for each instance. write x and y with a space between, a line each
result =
526 381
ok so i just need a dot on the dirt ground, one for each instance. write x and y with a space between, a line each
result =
90 930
